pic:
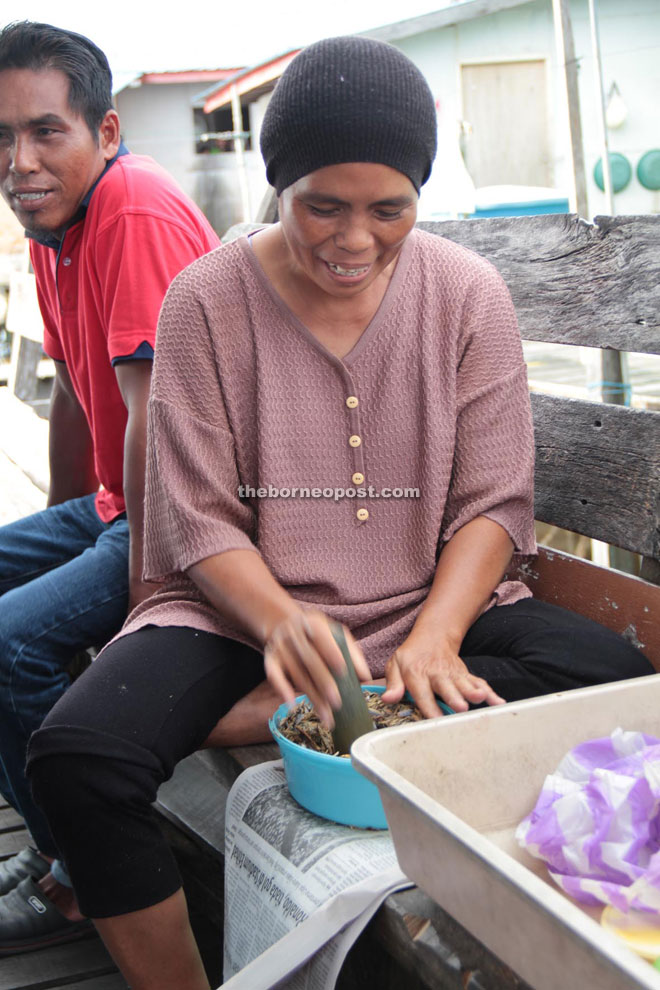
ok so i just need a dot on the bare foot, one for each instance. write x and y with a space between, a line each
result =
62 897
247 721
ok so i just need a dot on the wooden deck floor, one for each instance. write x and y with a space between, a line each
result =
81 965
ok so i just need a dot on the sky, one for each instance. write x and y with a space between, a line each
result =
140 37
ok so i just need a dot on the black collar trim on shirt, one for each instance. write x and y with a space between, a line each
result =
50 240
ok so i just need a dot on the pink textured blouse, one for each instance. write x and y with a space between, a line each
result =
432 397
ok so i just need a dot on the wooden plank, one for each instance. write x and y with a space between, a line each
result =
598 471
24 439
267 211
114 981
506 105
26 383
24 317
429 943
10 820
239 229
86 959
13 842
626 604
195 796
573 282
251 756
565 55
194 799
650 570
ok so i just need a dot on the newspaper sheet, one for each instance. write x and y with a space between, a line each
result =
298 889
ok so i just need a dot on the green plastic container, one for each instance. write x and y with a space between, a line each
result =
648 169
620 169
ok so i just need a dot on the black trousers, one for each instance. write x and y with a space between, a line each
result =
153 697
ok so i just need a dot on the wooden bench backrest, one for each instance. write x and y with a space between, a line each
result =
597 465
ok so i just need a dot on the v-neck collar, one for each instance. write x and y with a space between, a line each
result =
381 314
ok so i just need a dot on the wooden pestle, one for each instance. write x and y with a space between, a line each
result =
352 719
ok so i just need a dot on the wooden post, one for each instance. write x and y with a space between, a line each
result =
613 379
566 59
613 390
267 211
25 324
237 123
600 103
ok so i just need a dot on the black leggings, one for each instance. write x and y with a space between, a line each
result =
153 697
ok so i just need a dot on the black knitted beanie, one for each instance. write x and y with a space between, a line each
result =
349 99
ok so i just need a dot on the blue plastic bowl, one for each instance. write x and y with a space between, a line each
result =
329 786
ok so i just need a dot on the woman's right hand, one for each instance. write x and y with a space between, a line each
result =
301 655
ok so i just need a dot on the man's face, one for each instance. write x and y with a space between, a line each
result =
49 159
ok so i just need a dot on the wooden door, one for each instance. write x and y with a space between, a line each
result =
505 104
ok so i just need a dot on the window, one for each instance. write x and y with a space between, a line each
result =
218 122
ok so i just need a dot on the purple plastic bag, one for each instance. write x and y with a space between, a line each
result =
597 822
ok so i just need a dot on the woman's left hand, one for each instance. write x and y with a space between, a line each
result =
427 667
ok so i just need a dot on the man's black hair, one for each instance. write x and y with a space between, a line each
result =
30 45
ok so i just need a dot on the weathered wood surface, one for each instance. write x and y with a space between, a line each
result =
14 837
13 842
84 963
628 605
113 981
598 471
267 212
573 282
650 570
26 382
10 820
195 797
427 941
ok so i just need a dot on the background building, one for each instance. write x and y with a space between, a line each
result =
502 110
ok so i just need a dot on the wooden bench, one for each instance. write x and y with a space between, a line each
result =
597 474
25 323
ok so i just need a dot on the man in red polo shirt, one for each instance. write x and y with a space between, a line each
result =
109 231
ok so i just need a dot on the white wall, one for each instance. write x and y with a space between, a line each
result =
630 44
157 120
630 55
257 174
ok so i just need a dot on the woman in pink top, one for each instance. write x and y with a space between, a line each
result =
339 428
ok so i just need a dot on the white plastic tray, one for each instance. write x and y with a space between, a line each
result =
454 789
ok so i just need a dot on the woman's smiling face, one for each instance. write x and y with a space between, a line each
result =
345 224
